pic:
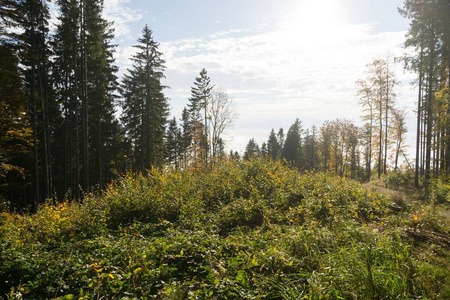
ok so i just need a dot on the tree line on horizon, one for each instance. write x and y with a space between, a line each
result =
338 146
59 93
341 147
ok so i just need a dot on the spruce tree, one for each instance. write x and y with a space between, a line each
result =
252 150
43 108
292 145
273 147
173 143
186 136
145 106
99 91
66 71
9 18
198 106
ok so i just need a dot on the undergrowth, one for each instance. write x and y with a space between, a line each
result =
240 230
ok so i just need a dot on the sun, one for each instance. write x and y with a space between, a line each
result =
314 19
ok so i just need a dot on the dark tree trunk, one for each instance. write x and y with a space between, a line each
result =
418 133
429 132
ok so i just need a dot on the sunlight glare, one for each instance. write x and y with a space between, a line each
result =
314 20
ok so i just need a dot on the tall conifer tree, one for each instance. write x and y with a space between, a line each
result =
66 66
100 85
43 108
198 106
145 106
293 145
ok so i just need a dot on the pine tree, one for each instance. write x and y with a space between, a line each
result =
280 137
252 150
198 105
273 146
264 152
309 154
66 71
100 84
9 18
185 136
44 110
173 143
293 145
145 106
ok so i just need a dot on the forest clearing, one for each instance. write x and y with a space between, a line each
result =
241 230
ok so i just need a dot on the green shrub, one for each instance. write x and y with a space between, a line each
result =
241 212
135 198
400 180
440 191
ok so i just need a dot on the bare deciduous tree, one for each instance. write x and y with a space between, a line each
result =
221 114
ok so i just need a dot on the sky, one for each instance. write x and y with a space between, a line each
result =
278 60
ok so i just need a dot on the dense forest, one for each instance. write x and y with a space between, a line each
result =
141 205
61 135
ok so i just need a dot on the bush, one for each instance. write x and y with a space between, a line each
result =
241 212
440 191
400 180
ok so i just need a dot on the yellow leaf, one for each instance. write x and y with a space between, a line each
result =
254 261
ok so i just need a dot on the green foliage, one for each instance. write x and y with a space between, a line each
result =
240 230
15 132
241 212
440 190
400 180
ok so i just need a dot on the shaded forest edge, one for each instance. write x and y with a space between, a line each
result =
239 230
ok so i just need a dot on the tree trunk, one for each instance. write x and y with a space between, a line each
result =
380 146
429 132
418 131
85 154
386 122
76 186
35 140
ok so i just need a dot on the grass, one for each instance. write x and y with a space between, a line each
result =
241 230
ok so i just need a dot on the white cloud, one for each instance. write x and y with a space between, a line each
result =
288 66
122 15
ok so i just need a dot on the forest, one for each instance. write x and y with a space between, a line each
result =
141 205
